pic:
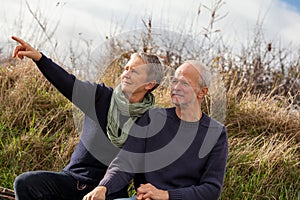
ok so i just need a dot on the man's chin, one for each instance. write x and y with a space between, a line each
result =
176 102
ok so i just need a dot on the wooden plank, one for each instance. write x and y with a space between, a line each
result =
6 194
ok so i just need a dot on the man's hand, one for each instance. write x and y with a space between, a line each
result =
24 49
149 192
97 194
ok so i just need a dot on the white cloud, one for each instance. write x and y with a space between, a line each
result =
278 20
93 18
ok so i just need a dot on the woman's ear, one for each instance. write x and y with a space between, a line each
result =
150 85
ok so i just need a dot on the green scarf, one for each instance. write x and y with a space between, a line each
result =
120 104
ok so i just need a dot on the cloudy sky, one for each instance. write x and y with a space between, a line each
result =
95 19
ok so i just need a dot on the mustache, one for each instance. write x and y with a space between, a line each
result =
177 93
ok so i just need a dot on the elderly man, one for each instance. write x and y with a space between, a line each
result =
107 112
183 152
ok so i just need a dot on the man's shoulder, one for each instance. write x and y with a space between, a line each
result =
211 122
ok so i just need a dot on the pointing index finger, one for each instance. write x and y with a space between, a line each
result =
19 40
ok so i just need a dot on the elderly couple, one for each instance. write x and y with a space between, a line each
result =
171 153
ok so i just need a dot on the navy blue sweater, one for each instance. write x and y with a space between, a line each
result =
186 158
94 100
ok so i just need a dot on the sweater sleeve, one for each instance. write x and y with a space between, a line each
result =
82 93
57 76
115 179
129 161
211 182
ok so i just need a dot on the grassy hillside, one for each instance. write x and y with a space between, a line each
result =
37 133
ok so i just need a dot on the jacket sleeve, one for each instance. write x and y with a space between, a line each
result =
211 182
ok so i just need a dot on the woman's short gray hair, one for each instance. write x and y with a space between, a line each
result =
154 66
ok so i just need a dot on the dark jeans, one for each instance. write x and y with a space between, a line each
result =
45 185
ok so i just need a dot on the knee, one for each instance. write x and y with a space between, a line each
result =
22 181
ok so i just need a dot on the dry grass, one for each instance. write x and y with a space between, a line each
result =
264 147
262 114
36 124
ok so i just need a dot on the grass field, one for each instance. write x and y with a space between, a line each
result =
37 133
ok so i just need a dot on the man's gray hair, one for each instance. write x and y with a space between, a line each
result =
205 74
155 67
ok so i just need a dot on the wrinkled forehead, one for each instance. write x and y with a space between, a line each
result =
187 71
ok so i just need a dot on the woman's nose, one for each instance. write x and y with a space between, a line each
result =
126 73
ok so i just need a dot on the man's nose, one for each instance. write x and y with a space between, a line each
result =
176 86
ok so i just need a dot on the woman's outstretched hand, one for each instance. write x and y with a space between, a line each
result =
25 50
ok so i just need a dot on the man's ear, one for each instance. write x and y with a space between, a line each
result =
202 92
150 85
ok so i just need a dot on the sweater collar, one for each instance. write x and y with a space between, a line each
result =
205 121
